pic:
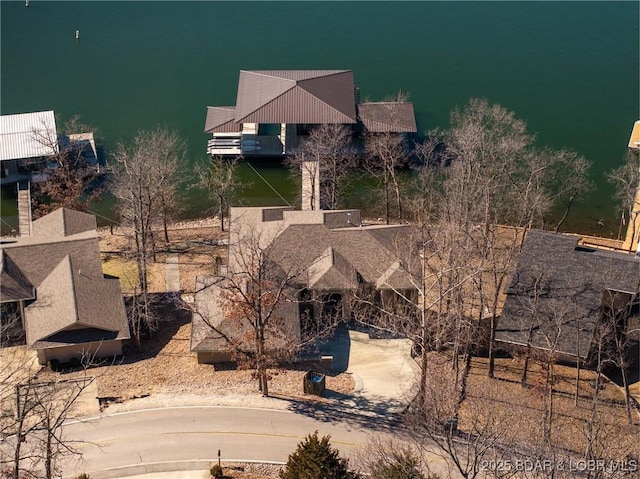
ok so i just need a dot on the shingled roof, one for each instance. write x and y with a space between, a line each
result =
209 335
61 262
326 251
558 289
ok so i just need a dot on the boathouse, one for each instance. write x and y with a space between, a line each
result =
25 139
274 108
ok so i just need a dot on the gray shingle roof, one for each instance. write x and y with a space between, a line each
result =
14 286
558 289
367 250
62 262
210 304
63 222
388 117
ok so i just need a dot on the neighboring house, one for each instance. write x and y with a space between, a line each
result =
26 139
326 253
275 107
52 281
560 292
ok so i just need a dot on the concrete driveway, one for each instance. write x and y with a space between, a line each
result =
383 369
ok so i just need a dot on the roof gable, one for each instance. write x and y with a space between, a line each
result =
63 222
55 307
14 286
256 89
221 119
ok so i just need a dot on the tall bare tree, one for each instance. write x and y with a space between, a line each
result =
626 181
385 155
489 173
219 176
145 182
330 147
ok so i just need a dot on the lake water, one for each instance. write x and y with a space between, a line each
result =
570 69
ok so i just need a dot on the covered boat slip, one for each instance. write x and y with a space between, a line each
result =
274 108
251 145
235 144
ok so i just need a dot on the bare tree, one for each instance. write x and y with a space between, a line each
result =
385 155
626 181
33 430
71 181
253 301
487 172
219 176
145 183
570 180
330 147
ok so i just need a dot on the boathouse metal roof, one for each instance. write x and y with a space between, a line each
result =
388 117
295 96
28 135
221 119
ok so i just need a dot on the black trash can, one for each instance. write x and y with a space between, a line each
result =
313 383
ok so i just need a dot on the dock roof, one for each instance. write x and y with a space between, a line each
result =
295 96
388 117
221 119
28 135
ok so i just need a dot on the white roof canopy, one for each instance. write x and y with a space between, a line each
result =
28 135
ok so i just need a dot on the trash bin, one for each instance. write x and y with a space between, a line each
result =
313 383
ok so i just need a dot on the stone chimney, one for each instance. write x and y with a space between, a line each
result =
24 208
310 185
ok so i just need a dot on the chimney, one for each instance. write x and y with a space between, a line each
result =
24 208
310 185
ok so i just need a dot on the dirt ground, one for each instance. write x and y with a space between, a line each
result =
167 366
195 243
502 404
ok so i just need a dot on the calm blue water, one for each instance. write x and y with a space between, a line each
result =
570 69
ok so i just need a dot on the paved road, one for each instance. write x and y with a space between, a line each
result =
116 445
174 439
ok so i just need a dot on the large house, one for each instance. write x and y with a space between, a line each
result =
52 286
561 292
326 254
275 107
